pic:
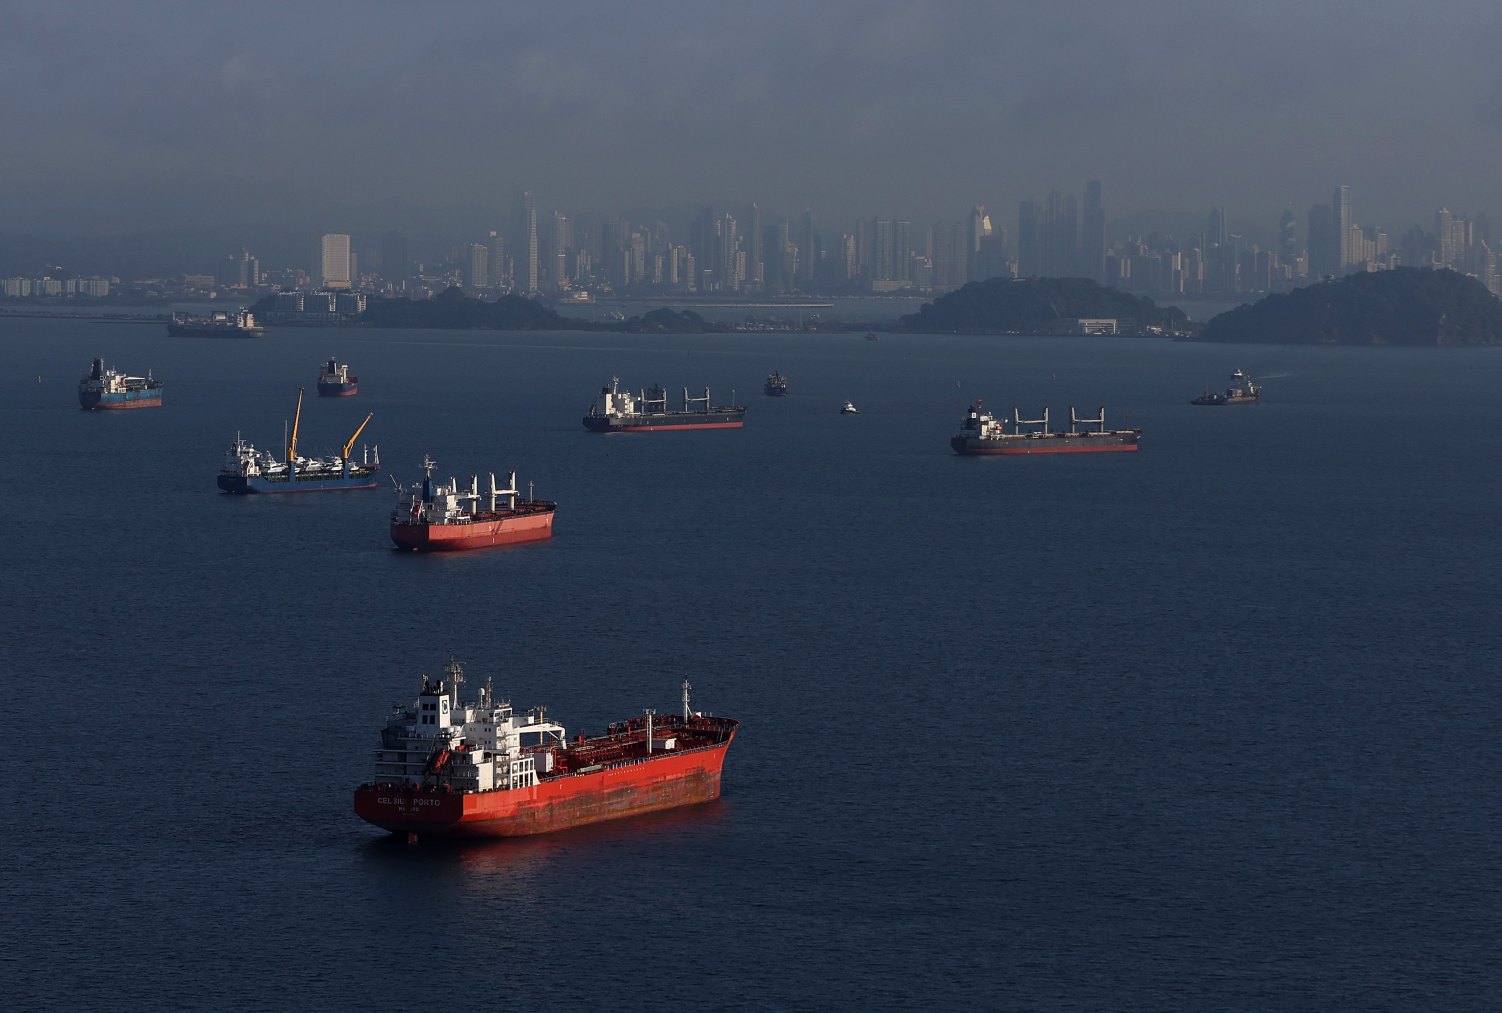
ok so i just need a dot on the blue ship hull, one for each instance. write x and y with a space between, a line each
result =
100 401
241 485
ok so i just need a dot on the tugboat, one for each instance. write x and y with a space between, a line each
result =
777 385
107 390
648 412
335 380
983 434
478 768
1241 391
439 518
850 409
247 470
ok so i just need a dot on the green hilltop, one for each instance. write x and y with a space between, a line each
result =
1040 306
1404 306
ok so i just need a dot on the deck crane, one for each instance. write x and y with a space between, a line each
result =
349 443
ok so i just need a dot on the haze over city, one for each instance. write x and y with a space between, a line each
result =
345 117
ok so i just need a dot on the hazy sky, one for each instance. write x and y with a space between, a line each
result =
122 116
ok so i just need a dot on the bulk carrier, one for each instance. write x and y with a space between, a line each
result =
647 412
248 470
439 518
983 434
481 769
107 390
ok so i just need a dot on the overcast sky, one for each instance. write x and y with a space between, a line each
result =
123 116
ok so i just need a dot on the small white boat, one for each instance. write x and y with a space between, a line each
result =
850 409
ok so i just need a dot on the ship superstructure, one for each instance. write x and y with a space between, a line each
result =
620 411
440 517
482 768
981 433
104 389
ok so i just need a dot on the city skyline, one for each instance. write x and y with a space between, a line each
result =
170 115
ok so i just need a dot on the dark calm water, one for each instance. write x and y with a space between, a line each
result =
1214 725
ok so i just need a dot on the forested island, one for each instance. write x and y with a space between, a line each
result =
1404 306
1041 306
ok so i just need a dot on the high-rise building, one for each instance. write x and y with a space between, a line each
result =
1093 236
1029 246
979 229
394 258
1288 237
1340 211
902 250
807 255
499 276
882 250
1216 233
562 243
334 261
524 242
756 261
477 277
1324 243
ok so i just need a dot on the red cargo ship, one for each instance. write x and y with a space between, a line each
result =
439 518
480 769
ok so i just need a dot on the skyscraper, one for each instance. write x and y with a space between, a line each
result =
1340 210
477 276
1029 249
902 250
881 249
524 242
1288 237
1093 238
333 262
806 252
394 258
979 230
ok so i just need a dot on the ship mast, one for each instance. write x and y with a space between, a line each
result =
686 688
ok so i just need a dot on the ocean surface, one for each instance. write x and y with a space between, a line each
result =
1213 725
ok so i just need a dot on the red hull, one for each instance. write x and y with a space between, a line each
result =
481 534
666 781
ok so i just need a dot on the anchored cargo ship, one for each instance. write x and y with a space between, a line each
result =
481 769
440 518
777 385
335 380
107 390
248 470
240 323
647 412
1241 391
982 433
